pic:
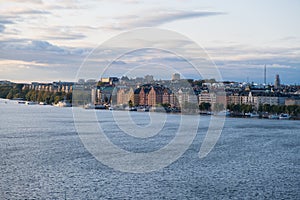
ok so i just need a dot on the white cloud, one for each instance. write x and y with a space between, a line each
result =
152 18
28 1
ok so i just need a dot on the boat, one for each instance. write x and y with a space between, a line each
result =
111 108
89 106
30 103
42 103
206 113
143 109
273 117
252 115
63 104
133 109
99 106
265 115
284 116
223 113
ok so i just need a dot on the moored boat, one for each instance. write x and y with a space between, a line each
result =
99 106
63 104
284 116
89 106
273 117
252 115
223 113
30 103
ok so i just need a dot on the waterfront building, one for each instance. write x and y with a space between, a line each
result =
234 98
166 96
143 96
124 95
175 77
292 101
206 97
155 95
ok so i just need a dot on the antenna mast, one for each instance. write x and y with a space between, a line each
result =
265 74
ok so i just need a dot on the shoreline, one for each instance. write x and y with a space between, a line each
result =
187 112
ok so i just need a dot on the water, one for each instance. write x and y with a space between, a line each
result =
42 157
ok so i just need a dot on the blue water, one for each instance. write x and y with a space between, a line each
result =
42 157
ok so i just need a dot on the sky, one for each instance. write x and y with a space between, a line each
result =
50 40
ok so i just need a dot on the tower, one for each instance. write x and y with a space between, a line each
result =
175 77
277 82
265 75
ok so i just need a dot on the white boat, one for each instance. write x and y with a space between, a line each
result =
30 103
42 103
89 106
111 108
63 104
133 109
284 116
273 117
143 109
253 114
223 113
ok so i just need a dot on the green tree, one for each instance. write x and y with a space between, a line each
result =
57 98
205 106
266 107
219 107
130 104
246 108
40 96
4 90
10 95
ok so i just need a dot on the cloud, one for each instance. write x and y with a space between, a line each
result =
39 60
29 1
2 28
237 62
152 18
62 32
15 16
24 11
41 52
3 22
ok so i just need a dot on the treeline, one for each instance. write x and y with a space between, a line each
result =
246 108
291 109
15 91
240 108
272 109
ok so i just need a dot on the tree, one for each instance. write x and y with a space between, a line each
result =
10 95
219 107
266 108
130 104
40 96
57 99
4 90
205 106
246 108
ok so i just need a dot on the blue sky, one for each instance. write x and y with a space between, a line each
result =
48 40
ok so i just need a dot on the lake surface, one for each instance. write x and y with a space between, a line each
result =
42 157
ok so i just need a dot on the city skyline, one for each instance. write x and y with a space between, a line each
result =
145 79
43 41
